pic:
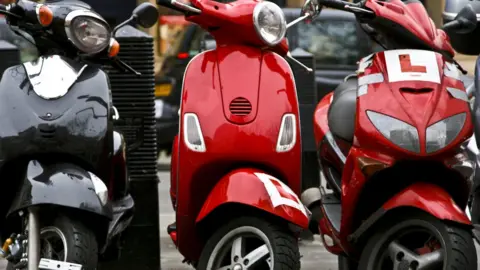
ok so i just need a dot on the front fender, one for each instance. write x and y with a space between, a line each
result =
61 184
431 199
257 189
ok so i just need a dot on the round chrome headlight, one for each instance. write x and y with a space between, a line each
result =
87 31
269 21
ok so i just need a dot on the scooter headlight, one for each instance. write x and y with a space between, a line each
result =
87 31
287 137
398 132
444 132
269 21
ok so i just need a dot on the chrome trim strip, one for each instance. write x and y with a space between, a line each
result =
37 11
371 79
470 90
365 63
450 70
349 76
334 145
458 94
362 90
87 13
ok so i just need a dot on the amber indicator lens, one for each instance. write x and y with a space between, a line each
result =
114 48
44 15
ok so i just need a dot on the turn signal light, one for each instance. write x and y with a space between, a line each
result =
370 166
44 15
114 48
192 133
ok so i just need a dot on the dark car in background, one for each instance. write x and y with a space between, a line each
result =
335 39
169 82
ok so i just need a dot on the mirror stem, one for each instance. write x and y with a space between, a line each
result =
289 56
297 20
131 19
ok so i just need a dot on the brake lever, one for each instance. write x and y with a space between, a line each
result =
360 10
464 72
120 64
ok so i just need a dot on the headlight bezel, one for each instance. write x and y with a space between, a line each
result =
376 117
425 149
79 13
430 149
256 24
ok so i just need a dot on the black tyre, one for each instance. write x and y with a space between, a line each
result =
419 241
253 243
344 263
66 239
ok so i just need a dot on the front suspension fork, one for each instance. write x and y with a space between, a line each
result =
33 228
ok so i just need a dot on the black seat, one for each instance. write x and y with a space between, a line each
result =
341 114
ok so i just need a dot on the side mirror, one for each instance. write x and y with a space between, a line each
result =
146 15
464 23
311 8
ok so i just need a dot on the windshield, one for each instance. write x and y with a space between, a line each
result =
332 42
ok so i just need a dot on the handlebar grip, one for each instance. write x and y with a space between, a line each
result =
336 4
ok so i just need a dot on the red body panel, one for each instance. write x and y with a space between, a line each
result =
212 80
419 109
412 16
173 172
244 187
431 199
413 107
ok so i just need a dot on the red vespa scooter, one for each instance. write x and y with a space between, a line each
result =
235 171
389 141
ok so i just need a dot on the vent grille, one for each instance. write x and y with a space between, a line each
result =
47 132
240 106
133 96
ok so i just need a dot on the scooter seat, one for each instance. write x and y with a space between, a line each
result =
341 114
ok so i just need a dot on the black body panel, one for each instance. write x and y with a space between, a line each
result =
77 126
119 166
61 184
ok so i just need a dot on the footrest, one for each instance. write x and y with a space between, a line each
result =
172 231
47 264
172 228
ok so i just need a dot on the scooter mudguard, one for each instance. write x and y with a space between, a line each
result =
431 199
257 189
60 184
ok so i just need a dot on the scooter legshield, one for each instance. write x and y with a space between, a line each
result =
431 199
257 189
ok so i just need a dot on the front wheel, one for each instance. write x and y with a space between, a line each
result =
68 240
251 243
419 241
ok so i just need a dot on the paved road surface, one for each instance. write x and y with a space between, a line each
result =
314 255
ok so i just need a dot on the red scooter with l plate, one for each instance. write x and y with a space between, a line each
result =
389 141
236 162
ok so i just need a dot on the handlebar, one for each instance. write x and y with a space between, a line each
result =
357 8
338 4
